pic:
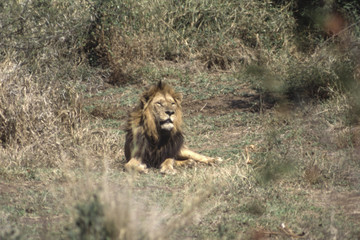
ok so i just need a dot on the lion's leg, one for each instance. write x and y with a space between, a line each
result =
188 154
135 165
181 163
167 167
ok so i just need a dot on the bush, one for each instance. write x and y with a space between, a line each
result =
91 222
219 34
43 33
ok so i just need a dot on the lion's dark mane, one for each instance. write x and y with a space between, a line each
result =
153 153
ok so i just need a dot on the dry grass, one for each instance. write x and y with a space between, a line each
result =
218 34
36 117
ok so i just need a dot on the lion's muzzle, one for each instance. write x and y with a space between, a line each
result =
167 124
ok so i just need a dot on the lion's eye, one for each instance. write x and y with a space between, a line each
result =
159 103
173 103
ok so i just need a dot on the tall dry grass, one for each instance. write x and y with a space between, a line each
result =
216 35
36 117
124 210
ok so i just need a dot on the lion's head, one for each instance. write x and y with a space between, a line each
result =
161 110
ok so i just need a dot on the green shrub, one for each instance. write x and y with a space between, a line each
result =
318 78
91 222
43 33
220 34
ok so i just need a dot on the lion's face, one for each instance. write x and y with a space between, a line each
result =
164 111
161 110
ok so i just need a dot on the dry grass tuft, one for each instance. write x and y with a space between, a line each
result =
312 174
35 117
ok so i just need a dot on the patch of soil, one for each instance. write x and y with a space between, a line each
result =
219 105
348 202
41 219
109 112
7 188
16 187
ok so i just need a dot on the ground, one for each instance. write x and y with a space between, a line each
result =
300 179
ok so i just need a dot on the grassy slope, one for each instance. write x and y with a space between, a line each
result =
304 171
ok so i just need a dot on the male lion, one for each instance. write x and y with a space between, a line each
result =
153 133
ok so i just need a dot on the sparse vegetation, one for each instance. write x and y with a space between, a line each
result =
271 87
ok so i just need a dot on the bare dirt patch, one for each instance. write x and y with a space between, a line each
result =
219 105
7 188
347 202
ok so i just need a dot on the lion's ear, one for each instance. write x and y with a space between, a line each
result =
145 98
178 97
160 84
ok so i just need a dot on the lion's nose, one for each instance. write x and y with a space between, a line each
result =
170 112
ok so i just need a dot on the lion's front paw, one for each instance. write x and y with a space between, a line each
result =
140 168
190 163
169 170
167 167
185 163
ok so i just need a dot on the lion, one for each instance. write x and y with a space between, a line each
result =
154 137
